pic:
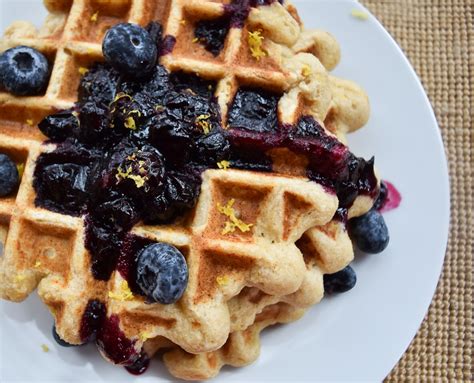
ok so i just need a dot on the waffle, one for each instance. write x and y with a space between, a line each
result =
292 218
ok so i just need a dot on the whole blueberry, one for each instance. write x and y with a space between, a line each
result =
9 178
24 71
59 340
130 49
162 273
341 281
369 232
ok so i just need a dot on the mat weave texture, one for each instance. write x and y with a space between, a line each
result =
438 38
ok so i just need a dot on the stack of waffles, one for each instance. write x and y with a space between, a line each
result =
240 281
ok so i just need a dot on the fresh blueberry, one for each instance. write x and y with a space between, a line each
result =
9 178
130 49
162 273
24 71
341 281
60 126
59 340
369 232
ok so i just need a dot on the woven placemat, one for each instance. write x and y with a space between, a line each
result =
438 38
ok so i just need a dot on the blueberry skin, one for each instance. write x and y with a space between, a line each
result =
341 281
9 177
59 340
130 49
24 71
369 232
162 273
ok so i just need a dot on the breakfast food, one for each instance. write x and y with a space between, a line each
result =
186 182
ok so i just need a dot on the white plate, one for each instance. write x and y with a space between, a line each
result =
359 335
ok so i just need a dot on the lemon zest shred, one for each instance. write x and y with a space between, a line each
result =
203 122
20 277
195 40
224 165
183 22
125 294
29 122
37 264
306 71
358 14
222 280
144 336
234 222
82 70
130 123
255 41
21 169
127 174
44 348
95 16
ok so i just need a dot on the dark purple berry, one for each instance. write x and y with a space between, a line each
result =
341 281
60 126
59 340
9 177
24 71
369 232
99 85
130 49
162 273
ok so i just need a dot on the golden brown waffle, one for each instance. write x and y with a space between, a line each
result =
46 250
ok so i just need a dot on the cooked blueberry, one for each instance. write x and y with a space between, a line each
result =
60 126
99 85
341 281
141 173
254 110
180 192
62 187
24 71
212 148
9 178
162 273
94 123
212 34
130 49
369 232
59 340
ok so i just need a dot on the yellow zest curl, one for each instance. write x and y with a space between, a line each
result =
95 16
222 280
21 169
233 222
82 71
29 122
44 348
37 264
203 122
125 294
255 41
224 165
358 14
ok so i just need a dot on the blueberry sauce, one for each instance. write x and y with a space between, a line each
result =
238 10
389 197
115 345
133 150
212 33
140 365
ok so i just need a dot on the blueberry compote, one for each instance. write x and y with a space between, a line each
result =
133 150
212 33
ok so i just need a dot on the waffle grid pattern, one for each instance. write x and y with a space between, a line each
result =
266 260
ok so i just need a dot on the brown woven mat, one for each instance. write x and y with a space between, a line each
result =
438 38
